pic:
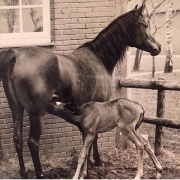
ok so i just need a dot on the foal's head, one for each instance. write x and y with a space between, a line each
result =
142 37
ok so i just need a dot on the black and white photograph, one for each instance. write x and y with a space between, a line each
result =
89 89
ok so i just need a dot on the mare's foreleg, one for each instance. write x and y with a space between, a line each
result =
96 155
33 141
83 154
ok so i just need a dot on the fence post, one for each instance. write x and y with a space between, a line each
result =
1 149
120 139
158 148
122 72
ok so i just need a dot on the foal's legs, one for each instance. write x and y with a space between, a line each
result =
83 154
36 120
84 168
84 171
149 150
132 135
17 114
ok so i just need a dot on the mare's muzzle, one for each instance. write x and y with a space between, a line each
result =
154 46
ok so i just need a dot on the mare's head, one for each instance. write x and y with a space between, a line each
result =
142 38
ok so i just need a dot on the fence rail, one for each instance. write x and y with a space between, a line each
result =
146 84
170 123
159 121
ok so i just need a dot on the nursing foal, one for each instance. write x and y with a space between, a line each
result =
95 117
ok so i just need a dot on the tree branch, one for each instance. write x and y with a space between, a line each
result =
147 12
167 21
156 7
9 3
156 29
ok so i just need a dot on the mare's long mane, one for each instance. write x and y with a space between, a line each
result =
111 43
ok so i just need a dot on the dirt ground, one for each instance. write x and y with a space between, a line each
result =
116 164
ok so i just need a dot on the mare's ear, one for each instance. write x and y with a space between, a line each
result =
135 8
140 10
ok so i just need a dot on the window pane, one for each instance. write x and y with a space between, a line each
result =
31 2
9 21
9 2
32 20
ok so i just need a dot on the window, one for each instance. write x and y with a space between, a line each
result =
24 22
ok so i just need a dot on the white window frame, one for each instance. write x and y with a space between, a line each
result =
28 38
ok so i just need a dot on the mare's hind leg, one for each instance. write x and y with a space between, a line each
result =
156 163
36 120
17 113
96 155
18 123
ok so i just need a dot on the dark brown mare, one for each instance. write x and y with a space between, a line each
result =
32 76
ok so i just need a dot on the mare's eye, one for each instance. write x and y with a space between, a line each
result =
145 25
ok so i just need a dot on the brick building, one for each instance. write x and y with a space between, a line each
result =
62 26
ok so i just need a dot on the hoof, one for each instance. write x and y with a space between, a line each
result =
158 175
98 162
40 176
137 177
85 177
24 174
74 177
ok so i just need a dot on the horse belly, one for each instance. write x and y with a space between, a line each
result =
77 81
103 89
82 81
80 90
92 88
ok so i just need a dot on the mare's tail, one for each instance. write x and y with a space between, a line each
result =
141 117
6 58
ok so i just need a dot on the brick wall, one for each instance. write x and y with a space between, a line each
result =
73 23
78 21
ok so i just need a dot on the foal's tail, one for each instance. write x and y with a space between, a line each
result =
6 57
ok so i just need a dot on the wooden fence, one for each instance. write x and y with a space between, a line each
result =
159 121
